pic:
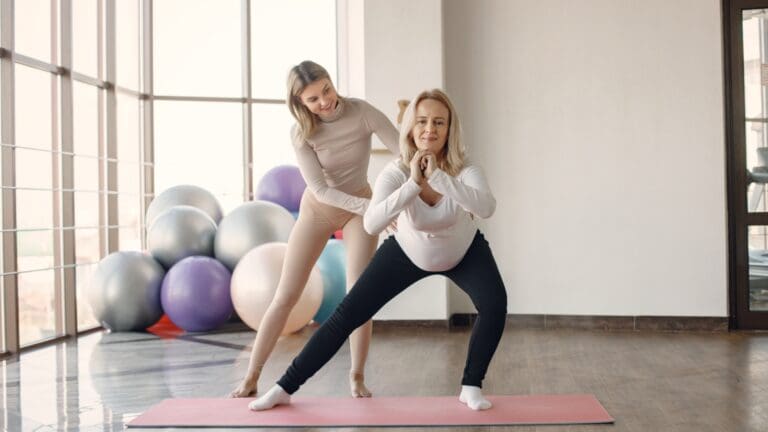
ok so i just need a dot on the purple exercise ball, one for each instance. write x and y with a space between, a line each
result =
195 294
282 185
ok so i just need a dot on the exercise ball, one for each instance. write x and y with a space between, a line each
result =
190 195
195 294
333 265
125 291
180 232
249 225
254 283
282 185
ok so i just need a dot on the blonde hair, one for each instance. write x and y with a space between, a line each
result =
299 77
454 153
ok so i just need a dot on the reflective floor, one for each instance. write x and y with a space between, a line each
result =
648 381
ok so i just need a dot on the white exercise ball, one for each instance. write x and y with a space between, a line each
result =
254 283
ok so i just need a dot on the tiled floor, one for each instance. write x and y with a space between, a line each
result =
648 381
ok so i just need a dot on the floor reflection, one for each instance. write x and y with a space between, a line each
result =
101 381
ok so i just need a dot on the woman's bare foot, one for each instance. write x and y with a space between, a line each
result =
357 385
246 388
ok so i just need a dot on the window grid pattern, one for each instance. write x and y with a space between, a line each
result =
95 200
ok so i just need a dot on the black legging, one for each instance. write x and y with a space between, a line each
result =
391 272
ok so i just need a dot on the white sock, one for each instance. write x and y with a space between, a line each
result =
473 397
275 396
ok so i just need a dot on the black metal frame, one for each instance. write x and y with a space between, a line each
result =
740 316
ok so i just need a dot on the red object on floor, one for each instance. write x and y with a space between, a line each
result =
165 328
376 411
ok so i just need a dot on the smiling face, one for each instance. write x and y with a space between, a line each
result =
320 97
430 132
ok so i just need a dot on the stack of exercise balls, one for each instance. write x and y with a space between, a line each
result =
201 265
130 290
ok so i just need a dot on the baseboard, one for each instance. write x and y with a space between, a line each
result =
602 322
412 323
580 322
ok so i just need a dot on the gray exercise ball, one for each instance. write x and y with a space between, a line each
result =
249 225
125 291
180 232
190 195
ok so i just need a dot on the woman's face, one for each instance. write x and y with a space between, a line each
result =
320 97
431 128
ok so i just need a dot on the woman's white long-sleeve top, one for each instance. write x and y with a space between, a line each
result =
435 238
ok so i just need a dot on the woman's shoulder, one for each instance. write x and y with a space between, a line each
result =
469 168
469 165
355 102
359 105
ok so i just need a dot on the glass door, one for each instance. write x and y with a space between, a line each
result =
745 28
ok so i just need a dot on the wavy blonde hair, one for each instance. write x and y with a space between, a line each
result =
454 152
299 77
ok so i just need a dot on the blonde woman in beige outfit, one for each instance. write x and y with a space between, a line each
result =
332 140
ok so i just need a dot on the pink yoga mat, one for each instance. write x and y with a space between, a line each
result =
376 411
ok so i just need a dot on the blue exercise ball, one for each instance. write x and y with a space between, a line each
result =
333 267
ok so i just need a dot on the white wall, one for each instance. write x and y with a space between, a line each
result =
600 126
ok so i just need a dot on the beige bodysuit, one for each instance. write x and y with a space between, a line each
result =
334 160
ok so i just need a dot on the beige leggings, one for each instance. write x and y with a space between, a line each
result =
316 223
310 234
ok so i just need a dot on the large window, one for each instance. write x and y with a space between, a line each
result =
271 139
200 143
127 43
86 162
35 196
102 118
197 48
306 30
199 68
129 193
85 42
57 138
33 29
87 156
